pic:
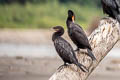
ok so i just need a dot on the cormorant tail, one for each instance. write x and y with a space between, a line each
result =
91 54
118 18
82 67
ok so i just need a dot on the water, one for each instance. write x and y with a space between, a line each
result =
41 51
13 50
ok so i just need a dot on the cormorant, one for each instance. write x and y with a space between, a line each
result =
77 34
64 49
112 8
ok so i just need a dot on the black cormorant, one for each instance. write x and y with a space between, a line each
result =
77 34
112 8
64 49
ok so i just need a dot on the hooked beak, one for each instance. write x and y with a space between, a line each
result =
55 30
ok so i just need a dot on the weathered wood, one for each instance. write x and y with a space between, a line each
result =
102 41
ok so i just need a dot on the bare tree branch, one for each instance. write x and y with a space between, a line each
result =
102 40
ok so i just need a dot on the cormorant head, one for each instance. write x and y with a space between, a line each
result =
59 30
71 15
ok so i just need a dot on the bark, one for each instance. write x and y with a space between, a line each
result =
102 40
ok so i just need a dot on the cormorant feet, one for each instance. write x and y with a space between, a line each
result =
84 69
76 50
62 66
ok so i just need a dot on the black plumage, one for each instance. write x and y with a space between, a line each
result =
77 34
64 49
112 8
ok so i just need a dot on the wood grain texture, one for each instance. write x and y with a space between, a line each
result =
102 40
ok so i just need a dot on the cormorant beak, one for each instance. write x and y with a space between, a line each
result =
73 18
55 30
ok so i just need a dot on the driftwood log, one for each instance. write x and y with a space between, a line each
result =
102 40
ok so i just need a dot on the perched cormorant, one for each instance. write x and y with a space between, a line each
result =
112 8
64 49
77 34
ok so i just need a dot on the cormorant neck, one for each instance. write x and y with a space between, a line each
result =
57 34
69 21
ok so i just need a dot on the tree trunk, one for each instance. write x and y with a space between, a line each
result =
102 40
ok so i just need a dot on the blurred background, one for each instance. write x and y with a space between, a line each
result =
26 48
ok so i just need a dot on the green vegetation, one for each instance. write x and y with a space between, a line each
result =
45 15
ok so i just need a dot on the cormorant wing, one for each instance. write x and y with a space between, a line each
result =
118 3
80 35
110 3
65 49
